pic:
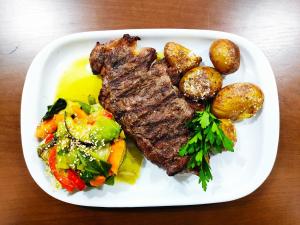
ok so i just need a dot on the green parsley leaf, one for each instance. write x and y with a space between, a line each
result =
199 156
204 120
207 138
228 144
214 127
183 150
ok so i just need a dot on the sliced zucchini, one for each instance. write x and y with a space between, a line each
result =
80 132
100 153
102 131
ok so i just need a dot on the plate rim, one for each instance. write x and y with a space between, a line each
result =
152 32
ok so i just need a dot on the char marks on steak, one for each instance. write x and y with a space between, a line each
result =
139 92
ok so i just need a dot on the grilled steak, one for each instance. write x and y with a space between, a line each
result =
139 92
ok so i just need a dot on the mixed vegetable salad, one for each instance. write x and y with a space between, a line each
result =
81 143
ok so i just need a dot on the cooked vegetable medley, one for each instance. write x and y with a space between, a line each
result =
81 143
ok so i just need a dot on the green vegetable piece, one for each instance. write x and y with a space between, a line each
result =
93 166
96 108
100 153
104 129
205 175
199 156
91 100
61 130
88 163
79 132
110 180
44 147
85 107
67 158
59 105
105 166
207 138
204 120
62 161
183 150
87 176
227 143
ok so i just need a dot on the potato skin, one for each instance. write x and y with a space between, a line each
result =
225 56
228 129
201 83
180 57
238 101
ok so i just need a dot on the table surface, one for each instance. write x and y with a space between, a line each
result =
27 26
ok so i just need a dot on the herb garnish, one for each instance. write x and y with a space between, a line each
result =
207 138
59 105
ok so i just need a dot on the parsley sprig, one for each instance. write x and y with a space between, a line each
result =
207 138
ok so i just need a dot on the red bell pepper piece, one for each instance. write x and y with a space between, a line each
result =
69 182
77 181
49 138
107 114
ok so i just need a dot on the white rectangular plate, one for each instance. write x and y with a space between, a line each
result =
234 174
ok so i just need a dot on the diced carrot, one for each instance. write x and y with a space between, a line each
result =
76 120
79 112
98 181
58 118
91 119
46 127
117 153
91 122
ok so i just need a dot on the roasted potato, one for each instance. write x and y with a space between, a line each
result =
201 83
180 57
238 101
225 56
228 129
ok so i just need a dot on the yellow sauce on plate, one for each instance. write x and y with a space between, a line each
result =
129 170
77 83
